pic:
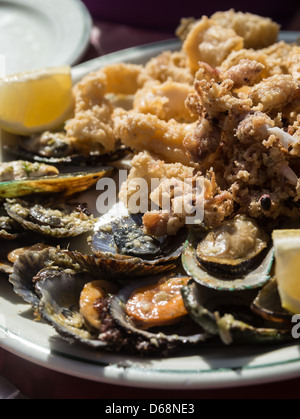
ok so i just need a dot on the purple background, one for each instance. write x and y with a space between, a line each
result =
165 15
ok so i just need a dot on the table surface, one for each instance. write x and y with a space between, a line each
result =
41 383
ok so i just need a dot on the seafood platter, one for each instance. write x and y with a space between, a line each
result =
220 105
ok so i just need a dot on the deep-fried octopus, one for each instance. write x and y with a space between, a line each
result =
244 140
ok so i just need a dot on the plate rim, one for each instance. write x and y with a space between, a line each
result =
123 374
112 373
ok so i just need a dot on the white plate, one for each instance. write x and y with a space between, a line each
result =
208 367
43 33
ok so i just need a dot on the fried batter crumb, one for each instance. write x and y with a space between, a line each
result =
225 108
256 31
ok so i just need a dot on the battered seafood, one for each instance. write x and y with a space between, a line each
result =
168 66
165 100
148 132
93 122
245 141
210 42
256 31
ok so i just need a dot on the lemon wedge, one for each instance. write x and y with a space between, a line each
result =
35 101
287 267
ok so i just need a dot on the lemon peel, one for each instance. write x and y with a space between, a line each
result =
287 267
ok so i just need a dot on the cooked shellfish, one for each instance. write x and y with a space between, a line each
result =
9 228
90 297
138 308
237 255
22 169
267 304
64 289
6 268
39 259
50 218
59 304
64 184
120 235
233 246
59 296
55 148
34 261
229 316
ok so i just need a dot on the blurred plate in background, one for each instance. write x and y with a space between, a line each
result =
43 33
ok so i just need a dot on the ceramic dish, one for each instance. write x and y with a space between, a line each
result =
44 33
207 367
